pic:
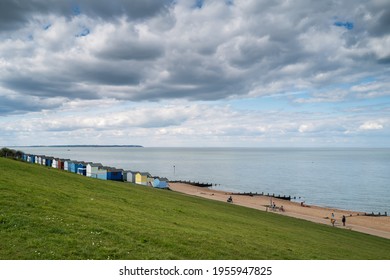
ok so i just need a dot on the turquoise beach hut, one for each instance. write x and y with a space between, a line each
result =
160 183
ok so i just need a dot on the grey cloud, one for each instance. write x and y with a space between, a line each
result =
14 13
379 14
20 104
133 9
125 49
46 85
106 74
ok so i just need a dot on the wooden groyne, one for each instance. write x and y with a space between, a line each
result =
375 215
284 197
197 184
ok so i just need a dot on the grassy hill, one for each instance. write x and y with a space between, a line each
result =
52 214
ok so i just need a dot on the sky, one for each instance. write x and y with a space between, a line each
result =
193 73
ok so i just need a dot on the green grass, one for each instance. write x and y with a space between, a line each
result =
52 214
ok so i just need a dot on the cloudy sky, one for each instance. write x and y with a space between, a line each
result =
195 73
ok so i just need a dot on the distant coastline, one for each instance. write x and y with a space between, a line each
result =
85 146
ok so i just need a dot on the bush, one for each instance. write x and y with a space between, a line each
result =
10 153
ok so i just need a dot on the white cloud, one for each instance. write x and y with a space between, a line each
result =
371 125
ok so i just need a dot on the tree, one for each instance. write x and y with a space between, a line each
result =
10 153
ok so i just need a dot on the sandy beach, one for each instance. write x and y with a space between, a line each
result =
379 226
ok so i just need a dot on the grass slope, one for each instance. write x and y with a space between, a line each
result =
51 214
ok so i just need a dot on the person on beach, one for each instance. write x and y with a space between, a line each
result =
343 219
332 219
230 199
281 208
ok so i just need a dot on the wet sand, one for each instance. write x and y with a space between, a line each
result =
379 226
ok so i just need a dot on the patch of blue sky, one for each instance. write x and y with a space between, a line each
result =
199 4
346 24
84 32
46 26
367 80
76 10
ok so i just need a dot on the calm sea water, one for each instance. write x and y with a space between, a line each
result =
354 179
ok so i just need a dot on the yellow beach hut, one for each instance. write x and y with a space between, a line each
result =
142 178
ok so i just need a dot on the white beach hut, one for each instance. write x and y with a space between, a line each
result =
93 169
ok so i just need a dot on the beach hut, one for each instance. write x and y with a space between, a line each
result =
81 168
48 161
44 158
114 174
142 178
24 157
129 176
160 183
66 165
101 173
93 169
72 166
31 158
61 163
55 162
38 159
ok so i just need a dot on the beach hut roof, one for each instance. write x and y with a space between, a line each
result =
49 157
95 164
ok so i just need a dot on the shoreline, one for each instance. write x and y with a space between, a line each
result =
355 221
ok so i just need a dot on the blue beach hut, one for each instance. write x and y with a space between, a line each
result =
31 158
81 168
115 174
72 166
160 183
49 161
101 173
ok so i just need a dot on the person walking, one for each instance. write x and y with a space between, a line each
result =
343 219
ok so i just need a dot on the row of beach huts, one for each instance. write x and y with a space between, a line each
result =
98 171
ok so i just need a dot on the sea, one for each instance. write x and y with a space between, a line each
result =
344 178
